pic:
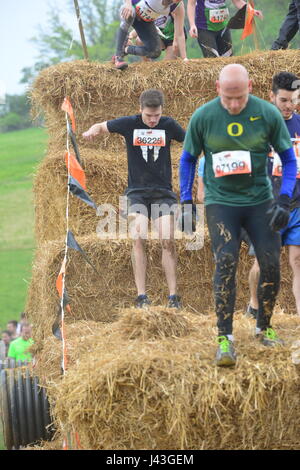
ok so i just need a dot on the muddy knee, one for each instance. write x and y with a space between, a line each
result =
154 54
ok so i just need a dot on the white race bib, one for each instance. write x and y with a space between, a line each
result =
149 137
218 15
277 164
151 10
234 162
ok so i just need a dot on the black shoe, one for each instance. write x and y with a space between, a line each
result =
174 301
142 301
251 312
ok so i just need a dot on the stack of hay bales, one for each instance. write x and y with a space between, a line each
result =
147 381
147 374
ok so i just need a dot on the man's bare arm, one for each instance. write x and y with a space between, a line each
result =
95 130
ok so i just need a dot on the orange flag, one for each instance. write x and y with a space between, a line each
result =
59 287
249 22
76 170
68 108
59 282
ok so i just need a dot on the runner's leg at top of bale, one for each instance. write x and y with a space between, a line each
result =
215 43
127 13
289 27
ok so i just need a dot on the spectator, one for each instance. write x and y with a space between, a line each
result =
12 327
4 344
19 348
23 319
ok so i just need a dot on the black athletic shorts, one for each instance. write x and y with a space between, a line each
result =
169 42
152 202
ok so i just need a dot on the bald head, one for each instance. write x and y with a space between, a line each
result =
233 87
233 74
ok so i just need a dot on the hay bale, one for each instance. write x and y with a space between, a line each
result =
151 390
106 175
98 298
98 92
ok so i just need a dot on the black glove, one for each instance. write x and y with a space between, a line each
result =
280 212
187 218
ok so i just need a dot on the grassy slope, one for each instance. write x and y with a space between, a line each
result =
19 154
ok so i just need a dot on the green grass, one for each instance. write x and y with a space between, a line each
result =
20 152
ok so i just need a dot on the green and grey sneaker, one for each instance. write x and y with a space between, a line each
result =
225 354
269 337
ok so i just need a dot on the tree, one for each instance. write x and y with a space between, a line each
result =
56 43
16 114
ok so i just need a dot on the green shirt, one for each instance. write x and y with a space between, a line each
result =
18 349
212 129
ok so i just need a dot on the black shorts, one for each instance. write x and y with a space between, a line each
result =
152 202
169 42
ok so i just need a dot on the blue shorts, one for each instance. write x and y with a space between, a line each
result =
290 235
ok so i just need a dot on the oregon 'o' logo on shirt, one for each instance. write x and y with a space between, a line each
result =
235 129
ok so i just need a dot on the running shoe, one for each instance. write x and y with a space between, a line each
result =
174 301
269 337
142 301
119 63
251 312
225 354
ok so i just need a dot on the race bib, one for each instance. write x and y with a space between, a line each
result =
149 137
277 165
235 162
145 13
296 145
218 15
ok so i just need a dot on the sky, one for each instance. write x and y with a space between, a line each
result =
19 20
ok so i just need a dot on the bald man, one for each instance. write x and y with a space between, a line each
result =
235 131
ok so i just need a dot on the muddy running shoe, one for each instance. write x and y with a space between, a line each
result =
269 337
251 312
119 63
142 301
174 301
225 356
